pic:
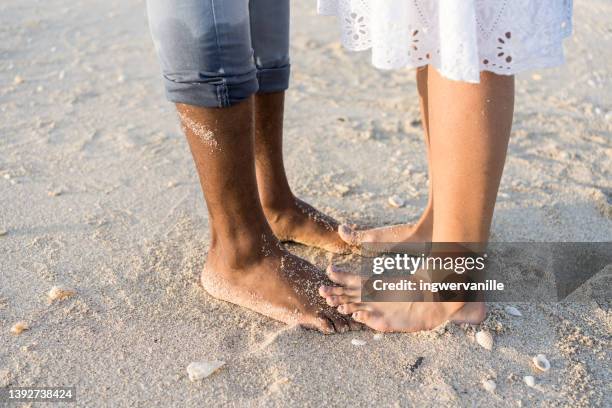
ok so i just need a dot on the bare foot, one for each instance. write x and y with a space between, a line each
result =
300 222
384 239
271 281
395 316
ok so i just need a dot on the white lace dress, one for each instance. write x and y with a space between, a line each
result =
459 37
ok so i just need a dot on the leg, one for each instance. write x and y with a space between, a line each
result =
469 141
291 219
421 231
245 265
469 146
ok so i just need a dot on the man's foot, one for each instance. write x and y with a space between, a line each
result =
395 316
384 239
271 281
300 222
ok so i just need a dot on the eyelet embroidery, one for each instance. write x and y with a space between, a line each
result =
409 34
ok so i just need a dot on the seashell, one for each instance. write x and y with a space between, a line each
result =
541 362
378 336
17 80
3 232
529 380
199 370
489 385
396 201
342 189
484 339
60 293
358 342
513 311
19 328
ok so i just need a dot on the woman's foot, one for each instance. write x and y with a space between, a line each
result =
297 221
387 239
395 316
263 277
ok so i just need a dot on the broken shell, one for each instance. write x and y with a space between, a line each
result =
342 189
3 232
489 385
541 362
19 328
513 311
529 380
358 342
17 80
484 339
378 336
199 370
396 202
60 293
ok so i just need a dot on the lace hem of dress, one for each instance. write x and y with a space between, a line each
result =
459 38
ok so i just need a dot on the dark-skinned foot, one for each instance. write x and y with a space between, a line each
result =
299 222
272 282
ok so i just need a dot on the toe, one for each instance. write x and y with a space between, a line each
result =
342 278
319 322
371 319
339 322
324 325
350 308
349 235
338 300
327 291
362 316
336 245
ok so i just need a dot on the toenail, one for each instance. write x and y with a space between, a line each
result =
346 229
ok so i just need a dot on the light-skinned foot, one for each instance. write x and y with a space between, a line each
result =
387 239
395 316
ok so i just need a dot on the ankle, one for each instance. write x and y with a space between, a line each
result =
277 207
238 251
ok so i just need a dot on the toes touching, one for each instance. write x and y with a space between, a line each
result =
345 297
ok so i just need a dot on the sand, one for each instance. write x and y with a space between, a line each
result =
83 114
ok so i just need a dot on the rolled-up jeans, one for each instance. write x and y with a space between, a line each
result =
216 53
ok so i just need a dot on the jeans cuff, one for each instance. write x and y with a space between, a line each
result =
217 93
273 79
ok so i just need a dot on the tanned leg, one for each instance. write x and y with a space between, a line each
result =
470 129
422 230
290 218
246 264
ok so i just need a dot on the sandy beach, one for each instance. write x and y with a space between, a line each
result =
98 193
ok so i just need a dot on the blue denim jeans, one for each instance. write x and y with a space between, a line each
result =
216 53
